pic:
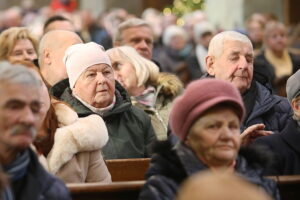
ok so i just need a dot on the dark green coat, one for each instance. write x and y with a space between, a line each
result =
130 130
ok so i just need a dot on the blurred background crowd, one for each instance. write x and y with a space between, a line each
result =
182 28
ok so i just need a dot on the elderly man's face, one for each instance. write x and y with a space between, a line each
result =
44 99
19 115
235 64
215 137
140 38
96 85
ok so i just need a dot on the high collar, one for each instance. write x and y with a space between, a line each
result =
291 135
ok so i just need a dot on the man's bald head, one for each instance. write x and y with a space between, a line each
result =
51 50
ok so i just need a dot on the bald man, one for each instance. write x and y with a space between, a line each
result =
51 50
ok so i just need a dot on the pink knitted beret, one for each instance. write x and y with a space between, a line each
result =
79 57
198 97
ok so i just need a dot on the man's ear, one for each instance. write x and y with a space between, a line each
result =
47 57
296 106
210 65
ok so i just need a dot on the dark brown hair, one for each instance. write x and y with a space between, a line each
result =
49 125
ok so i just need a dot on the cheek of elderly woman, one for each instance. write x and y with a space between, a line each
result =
23 50
215 136
126 75
96 86
131 69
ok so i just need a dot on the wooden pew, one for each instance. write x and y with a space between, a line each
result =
289 186
125 190
128 169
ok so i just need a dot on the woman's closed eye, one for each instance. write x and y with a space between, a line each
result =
212 126
116 66
91 74
107 72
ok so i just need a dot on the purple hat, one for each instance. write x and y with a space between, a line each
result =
198 97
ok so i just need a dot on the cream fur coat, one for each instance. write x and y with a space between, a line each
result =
76 154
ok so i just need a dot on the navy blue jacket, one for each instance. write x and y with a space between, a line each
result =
38 184
271 110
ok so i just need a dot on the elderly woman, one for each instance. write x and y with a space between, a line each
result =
149 90
92 89
277 61
206 119
68 146
17 44
176 49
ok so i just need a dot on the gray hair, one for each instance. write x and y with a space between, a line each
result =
216 45
172 31
17 74
132 22
201 28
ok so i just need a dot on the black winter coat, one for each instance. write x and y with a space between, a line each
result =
286 147
169 167
265 68
129 128
38 184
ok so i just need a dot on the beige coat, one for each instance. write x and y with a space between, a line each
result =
168 87
76 154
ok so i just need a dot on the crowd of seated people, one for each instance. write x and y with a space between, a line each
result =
190 98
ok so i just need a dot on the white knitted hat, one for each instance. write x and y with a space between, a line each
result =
79 57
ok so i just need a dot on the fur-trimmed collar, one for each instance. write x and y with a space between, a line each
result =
168 85
75 135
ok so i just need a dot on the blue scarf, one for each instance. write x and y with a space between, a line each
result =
15 171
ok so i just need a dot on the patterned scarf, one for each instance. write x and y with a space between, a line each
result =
147 98
15 171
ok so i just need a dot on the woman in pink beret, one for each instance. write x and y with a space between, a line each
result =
206 119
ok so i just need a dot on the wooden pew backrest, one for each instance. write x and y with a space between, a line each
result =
126 190
289 188
128 169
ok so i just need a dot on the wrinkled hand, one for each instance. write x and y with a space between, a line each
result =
253 132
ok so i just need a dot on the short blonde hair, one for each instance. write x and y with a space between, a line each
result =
9 37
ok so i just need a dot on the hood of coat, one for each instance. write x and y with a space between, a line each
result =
168 85
75 135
